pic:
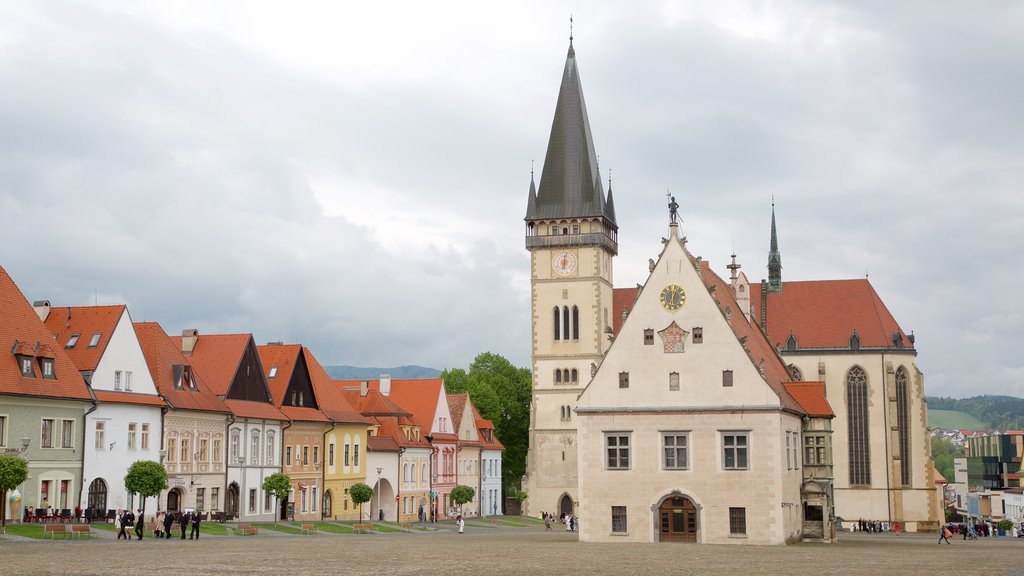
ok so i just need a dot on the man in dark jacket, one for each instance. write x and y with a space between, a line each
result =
196 519
183 522
139 525
168 522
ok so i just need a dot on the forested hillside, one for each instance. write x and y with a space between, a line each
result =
996 412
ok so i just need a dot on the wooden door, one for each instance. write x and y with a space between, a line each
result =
677 520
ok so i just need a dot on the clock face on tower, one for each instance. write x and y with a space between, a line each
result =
672 297
564 263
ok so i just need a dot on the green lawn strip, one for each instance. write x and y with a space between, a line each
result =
26 530
211 528
285 527
109 527
333 528
382 527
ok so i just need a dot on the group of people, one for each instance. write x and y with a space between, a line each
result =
875 526
125 521
166 520
570 520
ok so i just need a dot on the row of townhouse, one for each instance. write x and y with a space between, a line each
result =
85 392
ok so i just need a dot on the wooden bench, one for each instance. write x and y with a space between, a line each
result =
308 528
247 530
54 529
362 527
407 525
79 530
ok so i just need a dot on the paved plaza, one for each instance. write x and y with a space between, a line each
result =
526 551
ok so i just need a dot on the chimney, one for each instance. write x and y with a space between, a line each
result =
42 308
385 384
364 387
188 341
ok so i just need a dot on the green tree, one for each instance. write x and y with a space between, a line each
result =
360 494
13 471
145 478
943 453
279 485
461 494
501 392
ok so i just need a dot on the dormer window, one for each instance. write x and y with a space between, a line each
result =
273 372
48 368
95 340
26 366
72 341
791 342
855 341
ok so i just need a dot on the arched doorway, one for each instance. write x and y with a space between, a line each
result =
326 508
97 495
565 505
232 503
677 520
383 505
174 500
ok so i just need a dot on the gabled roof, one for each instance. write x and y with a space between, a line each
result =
64 321
811 396
383 412
162 356
329 396
21 328
570 183
283 357
419 396
825 313
216 357
108 397
484 424
249 409
622 300
457 404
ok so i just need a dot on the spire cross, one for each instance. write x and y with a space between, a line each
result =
570 28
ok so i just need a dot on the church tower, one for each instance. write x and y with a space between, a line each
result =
571 235
774 259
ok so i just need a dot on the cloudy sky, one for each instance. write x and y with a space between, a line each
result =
353 175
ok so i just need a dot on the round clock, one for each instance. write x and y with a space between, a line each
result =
672 297
564 263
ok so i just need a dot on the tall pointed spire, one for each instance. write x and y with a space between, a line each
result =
570 183
774 259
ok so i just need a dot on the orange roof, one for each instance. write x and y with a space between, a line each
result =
249 409
303 414
107 397
824 314
216 357
282 357
162 356
622 300
457 406
386 414
85 321
21 326
483 424
329 396
417 395
811 395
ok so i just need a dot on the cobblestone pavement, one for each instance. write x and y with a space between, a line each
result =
483 551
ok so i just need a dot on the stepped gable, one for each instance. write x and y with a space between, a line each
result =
825 313
165 366
22 332
64 321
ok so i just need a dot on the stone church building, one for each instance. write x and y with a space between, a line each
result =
719 404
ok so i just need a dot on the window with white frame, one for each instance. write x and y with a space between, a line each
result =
145 436
48 368
235 441
26 367
3 430
252 500
735 446
172 449
186 453
132 431
270 449
617 450
128 380
117 379
254 448
67 434
46 440
675 446
101 433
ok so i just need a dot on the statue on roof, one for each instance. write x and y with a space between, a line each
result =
673 210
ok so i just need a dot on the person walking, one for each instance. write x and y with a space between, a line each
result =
460 523
183 523
196 519
140 525
168 522
944 534
547 522
119 524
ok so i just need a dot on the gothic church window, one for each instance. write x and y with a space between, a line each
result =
903 422
565 375
575 323
575 376
565 322
857 420
558 328
795 373
855 341
791 342
558 376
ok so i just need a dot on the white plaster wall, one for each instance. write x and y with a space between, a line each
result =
112 463
123 353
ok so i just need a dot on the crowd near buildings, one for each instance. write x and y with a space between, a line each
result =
85 392
698 408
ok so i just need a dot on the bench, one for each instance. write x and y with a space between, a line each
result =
54 529
80 530
247 530
407 525
362 527
308 528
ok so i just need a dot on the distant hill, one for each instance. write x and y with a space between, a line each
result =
992 412
954 420
359 373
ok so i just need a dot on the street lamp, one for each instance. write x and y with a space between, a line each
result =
379 470
316 489
242 495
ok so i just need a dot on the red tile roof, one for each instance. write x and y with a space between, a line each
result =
329 396
384 412
622 299
107 397
824 314
811 395
419 396
484 424
63 321
20 324
457 406
248 409
162 356
217 357
283 357
303 414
